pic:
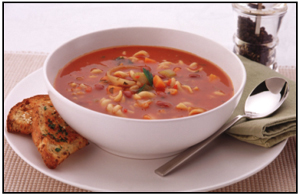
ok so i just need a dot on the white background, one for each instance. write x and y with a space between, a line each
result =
41 27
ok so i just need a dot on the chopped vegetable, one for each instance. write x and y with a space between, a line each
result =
99 86
127 93
119 58
212 77
148 88
163 104
158 83
113 89
104 79
149 76
148 60
176 69
168 73
147 116
169 82
88 89
145 87
173 91
141 77
194 75
141 89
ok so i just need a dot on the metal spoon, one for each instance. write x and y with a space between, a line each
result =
265 99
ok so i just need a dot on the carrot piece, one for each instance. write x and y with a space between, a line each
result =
104 78
147 116
158 83
169 82
148 60
173 91
88 89
212 77
111 89
176 69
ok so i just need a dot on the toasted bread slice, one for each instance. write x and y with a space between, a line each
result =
19 119
53 137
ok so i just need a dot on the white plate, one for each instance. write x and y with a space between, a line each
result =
223 162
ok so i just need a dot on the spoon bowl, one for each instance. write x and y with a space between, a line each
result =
264 100
271 93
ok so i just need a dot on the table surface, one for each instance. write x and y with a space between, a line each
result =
42 27
32 30
19 176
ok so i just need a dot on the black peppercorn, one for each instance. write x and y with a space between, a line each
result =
254 50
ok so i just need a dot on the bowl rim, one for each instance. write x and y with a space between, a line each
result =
60 96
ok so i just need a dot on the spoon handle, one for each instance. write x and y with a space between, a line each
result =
190 152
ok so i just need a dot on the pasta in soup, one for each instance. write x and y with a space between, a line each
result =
144 82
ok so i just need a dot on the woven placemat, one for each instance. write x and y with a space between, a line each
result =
279 176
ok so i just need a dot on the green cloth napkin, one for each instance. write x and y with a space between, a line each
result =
270 130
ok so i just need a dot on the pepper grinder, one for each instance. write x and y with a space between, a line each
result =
256 31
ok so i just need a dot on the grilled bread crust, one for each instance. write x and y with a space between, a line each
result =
53 137
19 119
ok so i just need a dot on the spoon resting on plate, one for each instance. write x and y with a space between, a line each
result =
265 99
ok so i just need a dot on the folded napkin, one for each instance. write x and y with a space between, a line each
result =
270 130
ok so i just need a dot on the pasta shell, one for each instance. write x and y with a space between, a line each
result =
118 97
136 97
120 113
179 86
96 71
134 88
173 80
133 59
196 111
72 84
181 106
188 88
146 95
141 53
195 70
116 108
147 116
180 62
110 108
121 74
164 65
193 65
220 93
104 102
93 76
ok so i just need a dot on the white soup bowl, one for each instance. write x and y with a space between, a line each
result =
137 138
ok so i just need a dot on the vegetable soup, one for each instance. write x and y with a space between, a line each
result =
144 82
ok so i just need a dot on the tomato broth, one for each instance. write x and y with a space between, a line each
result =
144 82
